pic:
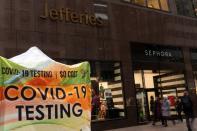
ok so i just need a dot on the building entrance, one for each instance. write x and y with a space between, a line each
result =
155 75
151 84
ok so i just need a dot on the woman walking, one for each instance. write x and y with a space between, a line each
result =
165 107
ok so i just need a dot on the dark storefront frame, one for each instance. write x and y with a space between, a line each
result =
140 63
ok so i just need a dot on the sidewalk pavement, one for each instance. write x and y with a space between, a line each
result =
149 127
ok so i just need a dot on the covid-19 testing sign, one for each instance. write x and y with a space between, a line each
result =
40 94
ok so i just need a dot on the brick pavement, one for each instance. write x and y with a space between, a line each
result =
158 127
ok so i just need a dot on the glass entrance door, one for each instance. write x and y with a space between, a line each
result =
150 93
172 85
155 68
157 83
144 85
141 99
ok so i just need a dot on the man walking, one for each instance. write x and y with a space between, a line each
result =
188 110
157 111
179 109
152 106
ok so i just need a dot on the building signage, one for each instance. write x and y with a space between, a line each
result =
154 53
157 53
69 15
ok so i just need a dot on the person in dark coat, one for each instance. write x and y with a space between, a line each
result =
188 110
157 111
152 104
179 109
95 104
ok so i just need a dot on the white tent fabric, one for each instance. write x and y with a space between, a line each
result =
34 56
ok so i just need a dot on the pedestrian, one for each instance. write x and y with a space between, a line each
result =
179 109
95 104
165 110
188 110
152 104
157 111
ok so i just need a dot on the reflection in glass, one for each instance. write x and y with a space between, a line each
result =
195 6
156 4
153 4
164 5
140 2
185 7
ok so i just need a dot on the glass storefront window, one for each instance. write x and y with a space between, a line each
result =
107 90
185 7
194 65
195 6
164 5
155 4
140 2
138 79
157 83
108 87
195 79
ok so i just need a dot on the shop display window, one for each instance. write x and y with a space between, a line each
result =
107 95
107 90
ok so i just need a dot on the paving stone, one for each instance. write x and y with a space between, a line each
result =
158 127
